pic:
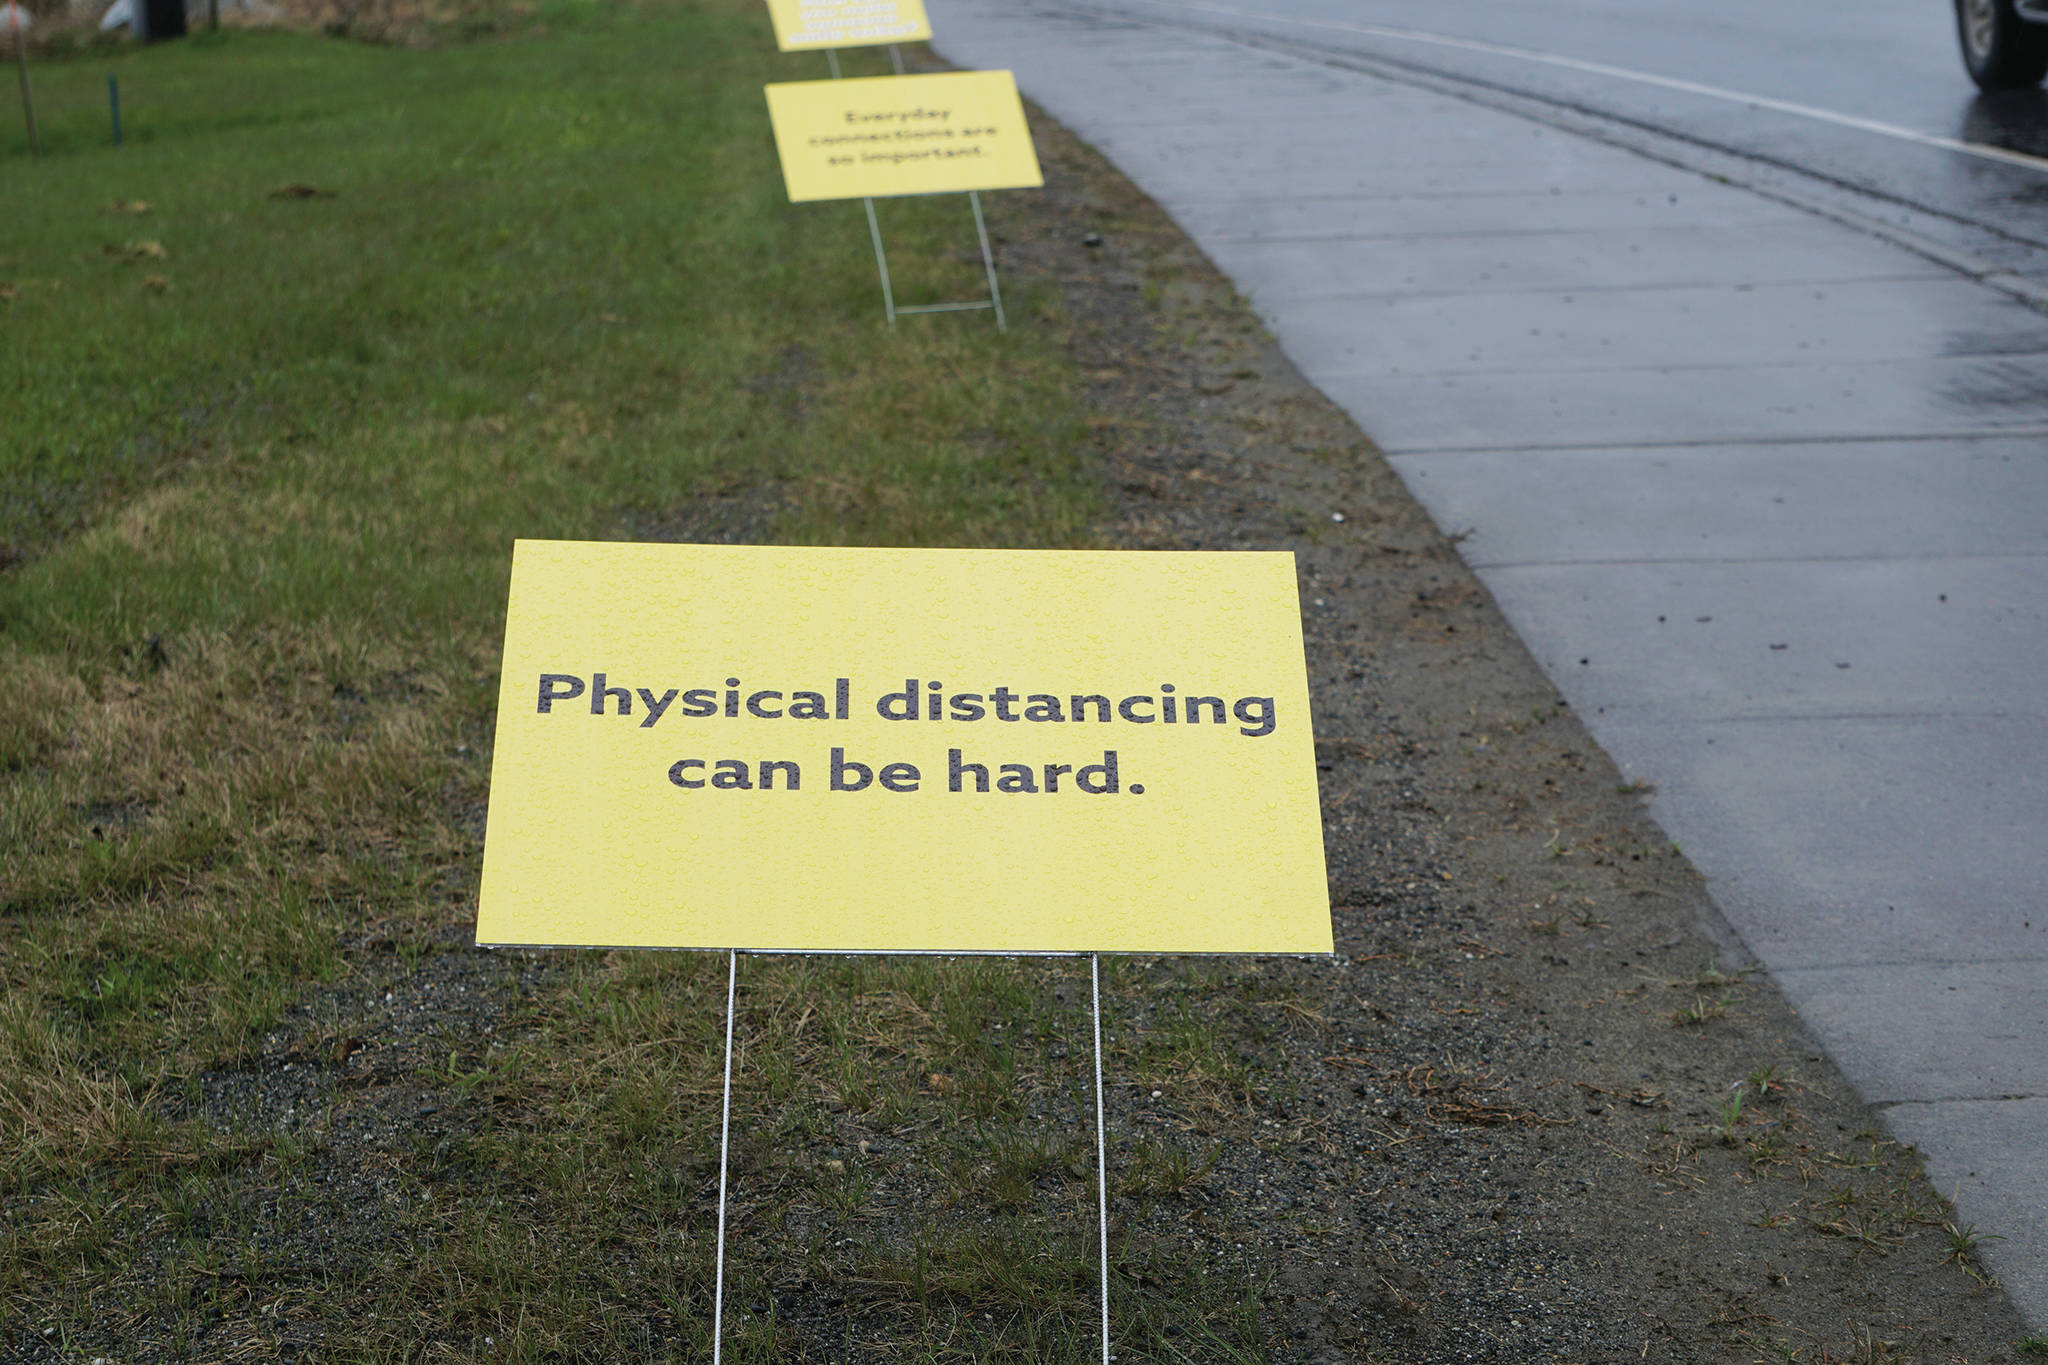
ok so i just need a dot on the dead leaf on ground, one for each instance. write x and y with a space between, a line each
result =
157 284
138 207
139 251
7 292
299 190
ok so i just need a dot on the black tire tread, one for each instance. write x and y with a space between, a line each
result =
2019 51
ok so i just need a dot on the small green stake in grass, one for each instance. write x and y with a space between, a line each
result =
28 99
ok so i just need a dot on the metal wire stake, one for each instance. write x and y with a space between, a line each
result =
988 260
732 977
881 262
896 58
1101 1148
832 58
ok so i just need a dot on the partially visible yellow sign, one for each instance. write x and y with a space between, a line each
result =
821 750
806 24
890 135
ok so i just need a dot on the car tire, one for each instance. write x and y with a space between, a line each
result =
2001 50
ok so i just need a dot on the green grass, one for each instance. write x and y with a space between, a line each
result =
262 463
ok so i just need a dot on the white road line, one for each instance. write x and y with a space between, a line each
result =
1410 35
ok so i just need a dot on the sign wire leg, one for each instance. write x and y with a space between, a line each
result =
1101 1152
896 58
732 977
882 260
988 260
832 60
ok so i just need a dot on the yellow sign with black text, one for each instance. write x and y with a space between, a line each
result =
893 135
844 750
804 25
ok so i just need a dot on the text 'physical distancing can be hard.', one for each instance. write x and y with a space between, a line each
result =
894 135
806 25
842 750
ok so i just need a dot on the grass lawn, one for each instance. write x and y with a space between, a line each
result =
282 378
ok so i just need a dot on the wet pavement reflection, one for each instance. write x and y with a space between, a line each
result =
2016 120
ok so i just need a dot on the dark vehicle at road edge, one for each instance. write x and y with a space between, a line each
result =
2005 42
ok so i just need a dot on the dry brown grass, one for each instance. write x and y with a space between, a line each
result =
179 832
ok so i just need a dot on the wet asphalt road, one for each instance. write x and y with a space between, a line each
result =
1795 85
1726 353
